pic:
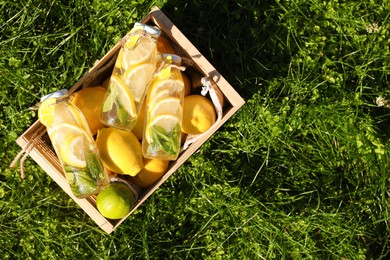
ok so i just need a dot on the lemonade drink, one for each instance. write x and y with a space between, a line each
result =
133 71
164 111
74 145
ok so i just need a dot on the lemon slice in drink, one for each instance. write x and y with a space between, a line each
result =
119 59
61 136
52 113
69 113
124 96
137 79
141 53
46 111
164 93
171 85
170 105
72 152
165 121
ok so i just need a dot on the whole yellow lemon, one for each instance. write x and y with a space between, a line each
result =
89 101
138 129
151 173
198 114
187 84
164 46
120 151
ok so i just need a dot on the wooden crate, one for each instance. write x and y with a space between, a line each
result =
43 154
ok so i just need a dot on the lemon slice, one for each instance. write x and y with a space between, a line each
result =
52 113
143 52
72 151
132 41
59 135
119 59
164 93
46 111
165 73
173 86
124 96
164 121
72 115
137 79
170 105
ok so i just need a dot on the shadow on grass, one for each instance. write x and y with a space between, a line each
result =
242 41
246 43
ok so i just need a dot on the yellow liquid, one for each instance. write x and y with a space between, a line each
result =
81 163
164 112
135 72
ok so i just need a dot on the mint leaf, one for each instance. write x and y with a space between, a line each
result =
95 167
167 142
110 99
84 184
122 114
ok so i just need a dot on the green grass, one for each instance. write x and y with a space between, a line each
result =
301 171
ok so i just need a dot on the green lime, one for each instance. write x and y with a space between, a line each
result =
115 201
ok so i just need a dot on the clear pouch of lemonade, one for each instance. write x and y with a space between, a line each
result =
164 111
74 145
133 71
